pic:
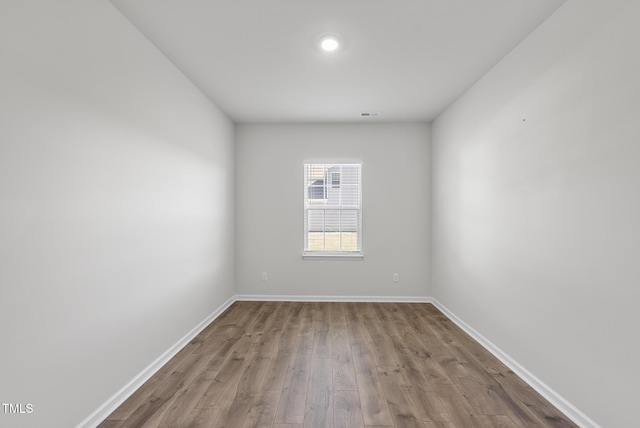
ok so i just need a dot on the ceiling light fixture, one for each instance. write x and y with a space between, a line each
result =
329 43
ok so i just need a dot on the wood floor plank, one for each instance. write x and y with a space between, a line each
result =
483 391
151 409
383 350
494 421
337 314
347 412
291 407
322 344
418 345
291 329
458 409
492 400
401 406
439 424
227 374
155 389
344 375
202 418
322 317
264 316
187 398
547 415
254 371
272 330
375 410
262 412
319 406
277 372
308 318
321 364
428 404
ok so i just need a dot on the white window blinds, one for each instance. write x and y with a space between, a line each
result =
332 209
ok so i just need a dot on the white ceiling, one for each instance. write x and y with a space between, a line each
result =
258 60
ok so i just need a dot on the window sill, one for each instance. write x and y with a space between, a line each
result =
332 256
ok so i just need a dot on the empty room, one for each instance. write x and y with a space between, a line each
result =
288 213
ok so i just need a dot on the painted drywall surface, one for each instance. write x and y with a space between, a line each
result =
269 204
536 196
116 207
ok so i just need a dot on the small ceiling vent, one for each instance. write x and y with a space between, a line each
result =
370 114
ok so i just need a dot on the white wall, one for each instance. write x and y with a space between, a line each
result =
396 203
536 196
116 207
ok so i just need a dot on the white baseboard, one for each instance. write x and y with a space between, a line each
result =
303 298
543 389
102 412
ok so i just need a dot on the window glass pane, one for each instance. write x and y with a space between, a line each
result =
332 208
335 180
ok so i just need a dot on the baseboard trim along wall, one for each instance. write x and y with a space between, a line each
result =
543 389
94 419
125 392
303 298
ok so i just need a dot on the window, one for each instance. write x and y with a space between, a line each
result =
335 180
332 210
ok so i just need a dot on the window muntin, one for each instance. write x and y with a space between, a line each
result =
332 209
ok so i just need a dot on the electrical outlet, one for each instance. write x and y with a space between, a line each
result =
265 278
396 277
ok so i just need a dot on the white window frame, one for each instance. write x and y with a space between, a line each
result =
324 254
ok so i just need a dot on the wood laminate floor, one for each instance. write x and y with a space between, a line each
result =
291 365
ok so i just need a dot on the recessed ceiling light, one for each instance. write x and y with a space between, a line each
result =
329 43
